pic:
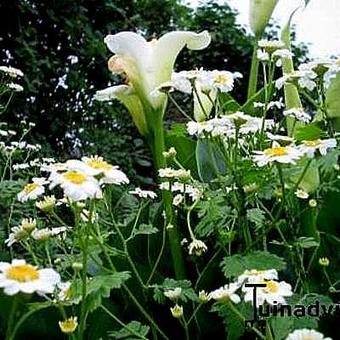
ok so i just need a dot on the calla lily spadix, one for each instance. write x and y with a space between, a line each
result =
146 65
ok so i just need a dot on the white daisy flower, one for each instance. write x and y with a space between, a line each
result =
274 292
19 276
22 231
254 275
226 293
143 193
280 138
270 45
64 291
47 203
309 147
277 153
174 173
197 247
77 185
45 233
306 334
299 114
15 87
281 54
198 128
11 71
32 190
173 294
177 200
96 166
218 80
300 193
262 55
305 79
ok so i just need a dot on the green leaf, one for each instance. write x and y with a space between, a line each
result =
235 265
132 330
145 229
306 242
228 103
235 326
333 98
187 292
99 286
308 132
257 216
210 161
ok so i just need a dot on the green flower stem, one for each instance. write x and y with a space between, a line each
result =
132 331
158 257
156 140
236 312
252 85
11 317
178 107
132 297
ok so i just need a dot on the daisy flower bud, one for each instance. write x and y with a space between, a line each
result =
177 311
324 261
69 325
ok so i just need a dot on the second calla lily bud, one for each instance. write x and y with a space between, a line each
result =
260 12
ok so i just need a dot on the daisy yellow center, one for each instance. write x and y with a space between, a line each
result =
308 337
98 164
30 187
276 151
75 177
22 273
69 325
272 287
312 143
221 79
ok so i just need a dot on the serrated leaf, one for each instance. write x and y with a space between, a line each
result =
145 229
235 265
235 326
132 330
99 286
256 216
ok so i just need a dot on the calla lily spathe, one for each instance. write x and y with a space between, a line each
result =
146 65
260 12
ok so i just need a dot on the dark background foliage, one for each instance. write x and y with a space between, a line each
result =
40 37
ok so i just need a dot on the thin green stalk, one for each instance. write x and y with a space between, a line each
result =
11 317
158 147
252 85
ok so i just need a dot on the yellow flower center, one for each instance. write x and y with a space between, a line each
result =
276 151
30 187
74 177
221 79
272 287
22 273
68 325
98 164
308 337
312 143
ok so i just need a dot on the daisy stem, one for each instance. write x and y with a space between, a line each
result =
242 318
12 316
252 85
178 107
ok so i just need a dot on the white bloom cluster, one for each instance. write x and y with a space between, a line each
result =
226 125
143 193
11 71
19 276
79 180
273 292
306 334
194 192
208 81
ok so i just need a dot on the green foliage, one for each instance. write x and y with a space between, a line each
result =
235 265
131 331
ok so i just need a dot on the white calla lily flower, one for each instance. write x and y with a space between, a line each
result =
260 12
149 64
